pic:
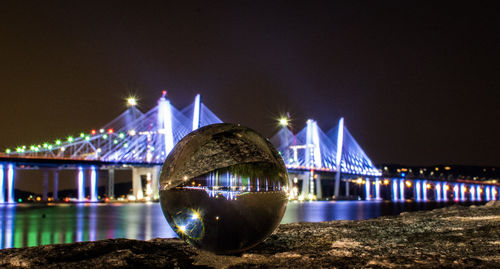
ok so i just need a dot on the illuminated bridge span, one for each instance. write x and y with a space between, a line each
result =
320 164
318 154
333 165
133 136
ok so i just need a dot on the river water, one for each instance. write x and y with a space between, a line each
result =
24 225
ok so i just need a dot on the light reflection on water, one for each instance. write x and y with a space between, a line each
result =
31 225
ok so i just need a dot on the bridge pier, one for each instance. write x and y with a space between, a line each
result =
394 189
402 189
55 188
311 184
462 192
10 182
111 183
424 190
438 192
417 193
377 189
45 191
93 184
137 184
150 186
81 184
472 192
305 185
155 182
319 193
367 189
347 183
290 183
2 184
445 191
487 193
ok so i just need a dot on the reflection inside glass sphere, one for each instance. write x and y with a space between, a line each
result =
237 194
227 210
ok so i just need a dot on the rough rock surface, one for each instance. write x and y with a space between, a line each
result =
453 237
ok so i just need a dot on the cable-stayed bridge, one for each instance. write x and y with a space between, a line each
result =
132 137
316 152
320 164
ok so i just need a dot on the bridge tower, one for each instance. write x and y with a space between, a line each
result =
338 159
196 112
312 160
165 122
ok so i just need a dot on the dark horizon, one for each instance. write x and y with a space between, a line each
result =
417 83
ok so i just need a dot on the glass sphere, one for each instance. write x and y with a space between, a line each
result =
223 188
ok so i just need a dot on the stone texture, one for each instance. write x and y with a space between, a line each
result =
452 237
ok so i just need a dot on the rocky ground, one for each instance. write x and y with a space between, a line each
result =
453 237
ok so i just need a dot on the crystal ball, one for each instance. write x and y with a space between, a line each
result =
223 188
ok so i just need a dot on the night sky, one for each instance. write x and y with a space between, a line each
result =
418 83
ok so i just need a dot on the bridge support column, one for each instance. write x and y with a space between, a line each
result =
10 183
81 184
319 192
445 191
311 184
305 185
487 193
367 189
402 189
438 191
418 187
394 189
377 189
424 190
2 184
290 184
478 192
155 182
462 192
111 183
347 183
137 184
337 183
472 192
55 188
45 193
456 195
149 190
93 184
